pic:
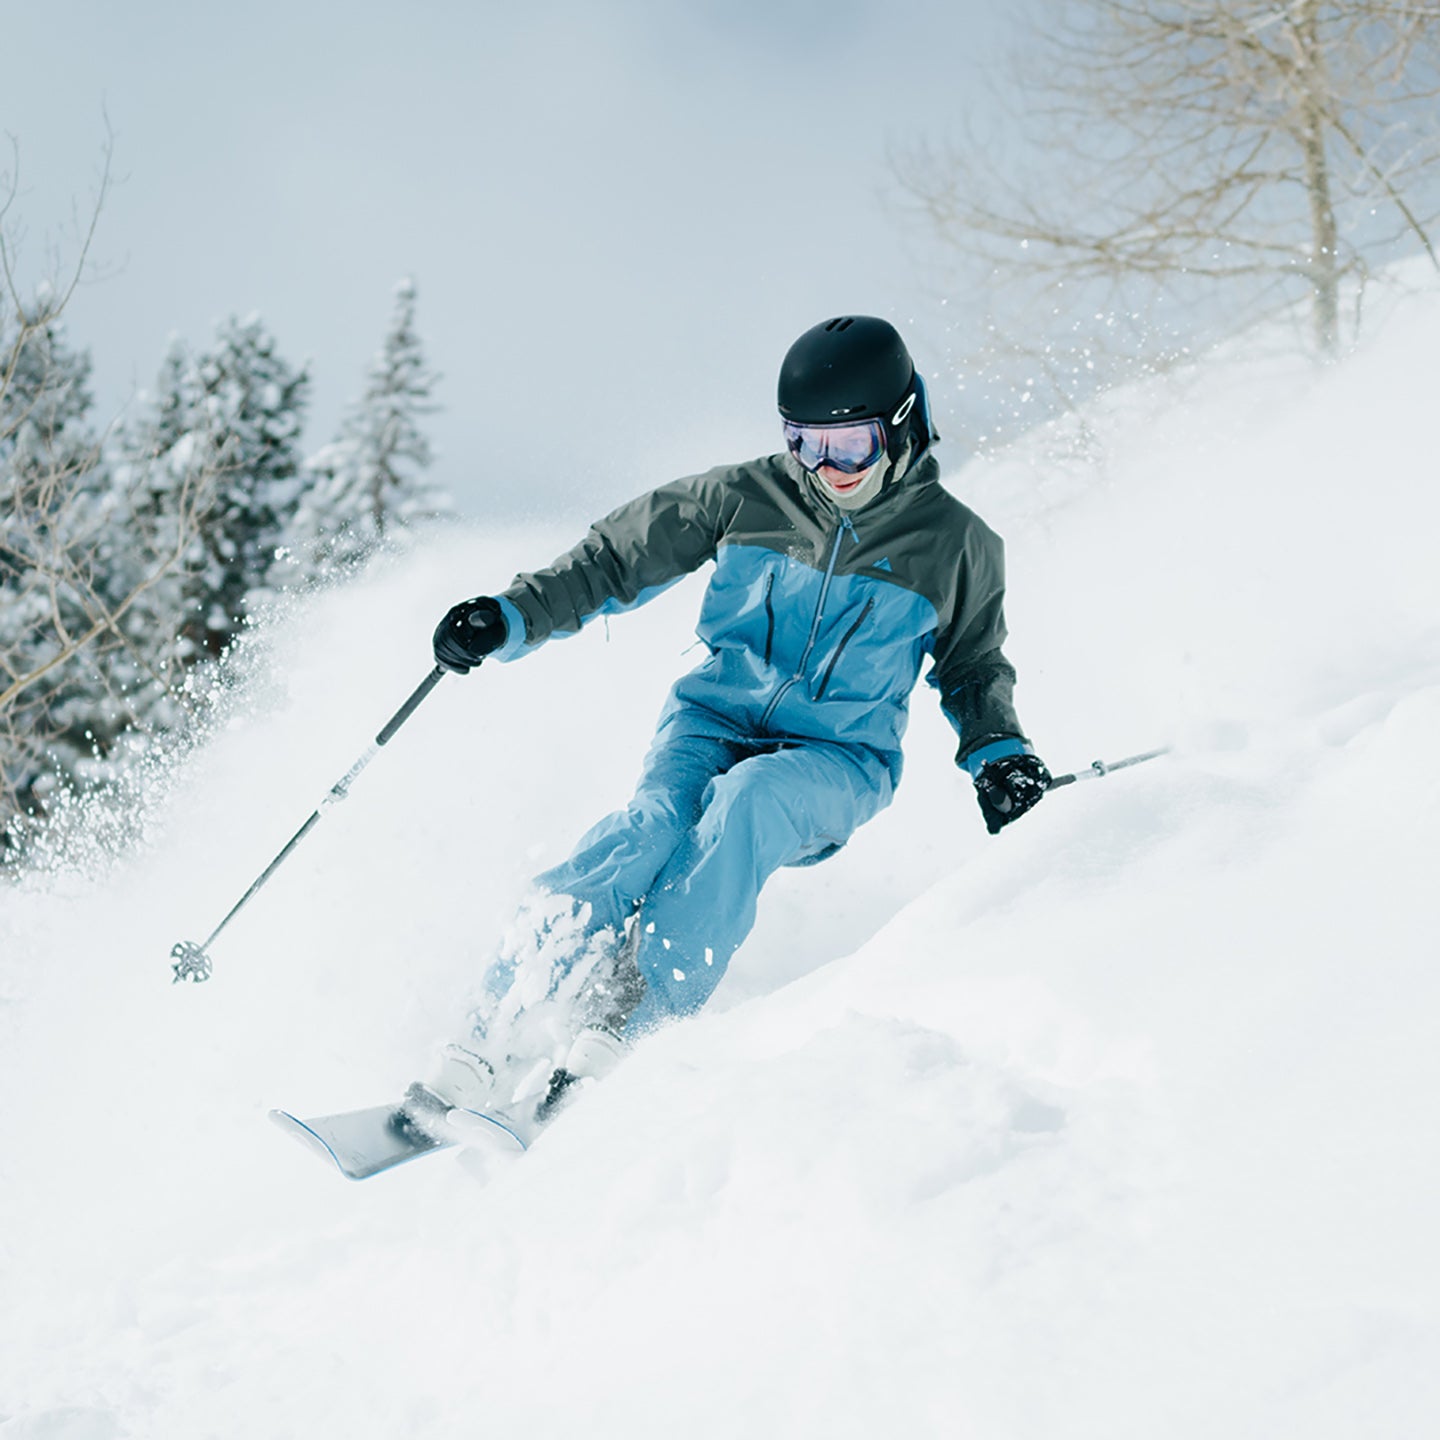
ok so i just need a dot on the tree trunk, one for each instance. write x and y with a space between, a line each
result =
1324 232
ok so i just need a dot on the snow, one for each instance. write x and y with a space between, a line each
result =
1117 1125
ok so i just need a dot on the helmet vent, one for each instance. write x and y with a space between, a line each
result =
836 326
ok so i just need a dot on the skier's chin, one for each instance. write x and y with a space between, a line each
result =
841 483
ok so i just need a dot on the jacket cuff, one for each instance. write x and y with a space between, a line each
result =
976 760
515 644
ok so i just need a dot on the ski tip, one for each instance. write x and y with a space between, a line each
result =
293 1125
362 1143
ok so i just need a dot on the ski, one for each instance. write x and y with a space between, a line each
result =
364 1143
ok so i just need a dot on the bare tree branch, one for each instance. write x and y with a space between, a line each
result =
1193 164
80 549
1200 138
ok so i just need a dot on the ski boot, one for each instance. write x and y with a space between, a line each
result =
459 1079
594 1053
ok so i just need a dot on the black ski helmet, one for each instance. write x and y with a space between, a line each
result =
855 367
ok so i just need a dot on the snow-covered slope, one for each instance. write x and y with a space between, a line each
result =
1117 1125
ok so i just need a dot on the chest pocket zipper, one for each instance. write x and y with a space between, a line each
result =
840 648
769 616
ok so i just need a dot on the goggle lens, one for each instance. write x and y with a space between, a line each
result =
847 448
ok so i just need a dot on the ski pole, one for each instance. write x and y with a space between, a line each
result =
1100 768
191 960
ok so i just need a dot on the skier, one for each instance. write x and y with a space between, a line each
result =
840 564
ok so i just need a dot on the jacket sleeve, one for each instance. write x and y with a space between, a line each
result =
627 558
975 680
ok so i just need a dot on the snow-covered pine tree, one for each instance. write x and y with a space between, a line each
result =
53 496
90 594
168 412
243 428
369 485
163 490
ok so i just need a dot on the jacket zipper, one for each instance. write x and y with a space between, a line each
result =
779 695
769 616
840 648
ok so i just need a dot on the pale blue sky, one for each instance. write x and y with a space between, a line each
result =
618 214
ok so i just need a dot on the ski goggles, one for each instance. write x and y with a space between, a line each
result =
849 448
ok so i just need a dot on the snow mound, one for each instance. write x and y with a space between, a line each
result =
1117 1125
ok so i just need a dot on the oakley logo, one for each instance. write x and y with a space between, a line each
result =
904 410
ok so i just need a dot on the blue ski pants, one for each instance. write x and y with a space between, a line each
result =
711 820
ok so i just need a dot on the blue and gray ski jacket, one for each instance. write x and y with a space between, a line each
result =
817 621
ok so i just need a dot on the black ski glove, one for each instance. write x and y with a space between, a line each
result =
1008 787
469 632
